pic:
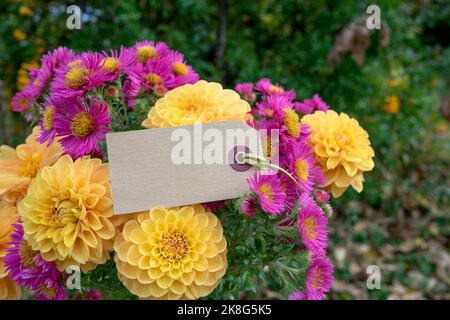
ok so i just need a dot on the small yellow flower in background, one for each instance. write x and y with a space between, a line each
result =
22 75
200 102
8 288
25 11
342 148
442 127
19 166
394 83
177 253
66 213
19 35
434 81
391 105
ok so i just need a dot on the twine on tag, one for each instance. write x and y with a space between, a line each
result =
263 164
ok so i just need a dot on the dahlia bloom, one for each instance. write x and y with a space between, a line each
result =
319 278
177 253
81 126
27 268
312 225
85 72
18 167
8 288
302 166
200 102
66 213
267 187
342 148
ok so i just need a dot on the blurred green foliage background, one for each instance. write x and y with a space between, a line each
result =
396 82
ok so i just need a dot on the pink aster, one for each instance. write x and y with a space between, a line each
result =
145 51
267 187
297 295
182 72
85 72
215 205
266 87
27 267
310 105
321 196
319 278
312 225
246 91
81 125
248 206
57 57
271 104
21 101
302 166
47 132
131 89
115 62
153 75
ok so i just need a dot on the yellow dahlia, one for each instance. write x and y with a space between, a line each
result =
8 288
200 102
177 253
342 148
66 213
18 167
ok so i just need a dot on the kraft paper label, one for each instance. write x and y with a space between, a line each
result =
179 165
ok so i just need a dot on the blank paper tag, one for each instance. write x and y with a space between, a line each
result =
178 165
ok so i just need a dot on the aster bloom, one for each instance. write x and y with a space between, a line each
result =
267 187
28 269
116 62
215 205
297 295
192 103
21 101
182 72
94 295
319 278
81 125
302 166
85 72
266 87
310 105
146 51
154 74
342 148
321 196
248 206
246 91
19 166
177 253
47 131
271 103
131 89
8 288
312 225
66 213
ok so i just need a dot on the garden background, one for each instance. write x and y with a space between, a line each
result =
395 81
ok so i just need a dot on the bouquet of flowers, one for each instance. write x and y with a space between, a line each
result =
56 210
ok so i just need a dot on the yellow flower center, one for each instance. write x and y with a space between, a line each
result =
266 190
268 112
302 169
65 212
82 125
342 139
153 79
292 122
47 118
311 227
111 64
274 88
76 77
268 146
317 279
174 246
146 52
36 82
49 292
31 166
26 254
180 68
